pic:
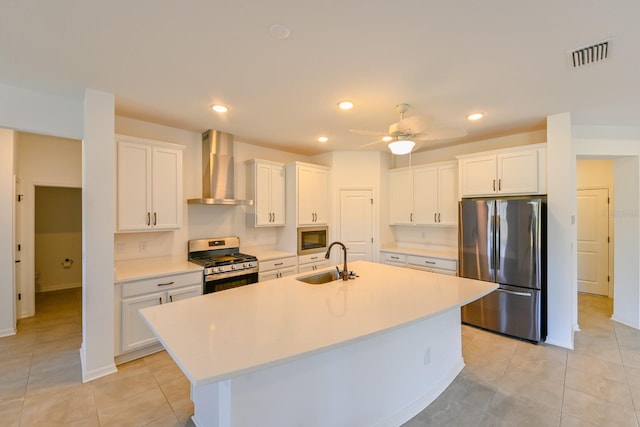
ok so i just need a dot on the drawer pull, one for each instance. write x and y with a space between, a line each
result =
314 257
429 262
166 284
278 263
394 257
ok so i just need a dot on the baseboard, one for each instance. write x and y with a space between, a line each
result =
8 332
96 373
59 287
559 343
625 322
137 354
401 417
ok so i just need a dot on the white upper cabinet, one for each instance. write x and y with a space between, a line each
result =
149 185
266 186
311 194
520 170
424 195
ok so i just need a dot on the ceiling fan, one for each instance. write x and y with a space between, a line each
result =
403 134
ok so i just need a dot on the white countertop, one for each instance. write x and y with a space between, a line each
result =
266 253
136 269
237 331
441 252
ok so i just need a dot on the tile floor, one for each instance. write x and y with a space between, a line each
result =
505 382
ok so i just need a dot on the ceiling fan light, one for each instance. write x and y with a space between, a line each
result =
387 138
475 116
401 146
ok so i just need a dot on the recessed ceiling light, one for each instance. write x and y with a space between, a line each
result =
387 138
345 105
322 139
475 116
218 108
279 31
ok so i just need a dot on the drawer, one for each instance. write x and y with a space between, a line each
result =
279 263
307 259
443 264
161 283
276 274
393 258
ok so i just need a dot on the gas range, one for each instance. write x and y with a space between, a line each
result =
224 265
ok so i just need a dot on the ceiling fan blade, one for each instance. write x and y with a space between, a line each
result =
413 125
371 143
440 133
367 132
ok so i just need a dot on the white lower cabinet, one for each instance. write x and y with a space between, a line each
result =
135 295
277 268
312 262
424 263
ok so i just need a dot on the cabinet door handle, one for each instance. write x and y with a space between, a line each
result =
439 217
499 184
435 216
160 300
494 185
148 218
170 298
411 217
278 263
155 218
166 284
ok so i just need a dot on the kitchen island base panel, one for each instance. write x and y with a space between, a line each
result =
383 379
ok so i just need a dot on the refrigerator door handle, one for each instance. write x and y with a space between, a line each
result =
496 228
522 294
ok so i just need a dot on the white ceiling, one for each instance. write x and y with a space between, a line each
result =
168 61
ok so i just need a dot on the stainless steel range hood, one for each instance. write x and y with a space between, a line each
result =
217 171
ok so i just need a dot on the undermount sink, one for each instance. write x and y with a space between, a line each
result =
320 278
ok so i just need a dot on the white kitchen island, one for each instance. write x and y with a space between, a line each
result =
371 351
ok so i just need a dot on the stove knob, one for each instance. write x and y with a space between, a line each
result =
244 265
220 270
233 266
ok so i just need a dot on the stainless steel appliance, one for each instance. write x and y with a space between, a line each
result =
503 241
312 240
224 266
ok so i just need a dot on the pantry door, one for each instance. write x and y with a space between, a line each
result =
356 223
593 241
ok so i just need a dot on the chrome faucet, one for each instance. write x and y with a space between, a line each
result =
345 272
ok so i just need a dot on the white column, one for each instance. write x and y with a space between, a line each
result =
7 294
562 288
98 169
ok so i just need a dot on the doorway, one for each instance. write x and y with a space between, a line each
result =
595 231
58 238
356 223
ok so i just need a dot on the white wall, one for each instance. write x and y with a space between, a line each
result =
7 297
561 232
98 213
22 109
623 145
48 161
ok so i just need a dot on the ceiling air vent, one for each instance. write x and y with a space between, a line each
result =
596 52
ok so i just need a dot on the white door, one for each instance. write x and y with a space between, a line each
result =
593 241
356 223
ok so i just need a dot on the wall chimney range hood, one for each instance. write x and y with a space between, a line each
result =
217 171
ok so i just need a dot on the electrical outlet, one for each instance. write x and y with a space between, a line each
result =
142 246
121 248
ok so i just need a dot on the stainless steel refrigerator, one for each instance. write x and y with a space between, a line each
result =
503 241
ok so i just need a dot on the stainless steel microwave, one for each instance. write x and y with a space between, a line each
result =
312 239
